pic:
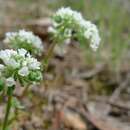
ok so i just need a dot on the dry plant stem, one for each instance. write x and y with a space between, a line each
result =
48 56
25 91
118 90
7 112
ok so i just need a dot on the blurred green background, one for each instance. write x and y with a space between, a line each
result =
111 16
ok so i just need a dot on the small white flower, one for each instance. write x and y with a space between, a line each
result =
31 38
33 64
23 71
12 63
9 36
2 67
51 30
22 52
10 82
64 11
7 57
6 54
24 63
92 34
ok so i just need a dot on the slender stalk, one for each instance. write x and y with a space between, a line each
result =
7 112
1 96
14 118
48 56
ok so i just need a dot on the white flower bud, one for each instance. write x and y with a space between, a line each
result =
51 30
10 82
23 71
34 64
2 67
22 52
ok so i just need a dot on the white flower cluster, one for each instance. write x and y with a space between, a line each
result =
24 39
69 24
91 32
19 66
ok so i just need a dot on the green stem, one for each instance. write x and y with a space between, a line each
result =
1 97
7 112
13 118
48 56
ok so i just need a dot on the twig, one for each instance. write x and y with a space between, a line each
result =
92 73
48 56
114 104
121 87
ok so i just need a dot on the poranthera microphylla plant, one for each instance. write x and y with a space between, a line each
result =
20 66
17 66
69 24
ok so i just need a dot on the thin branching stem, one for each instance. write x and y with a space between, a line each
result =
48 56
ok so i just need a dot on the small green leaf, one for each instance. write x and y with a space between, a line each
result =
16 103
58 19
8 128
35 76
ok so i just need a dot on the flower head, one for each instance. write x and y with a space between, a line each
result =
26 40
69 24
19 66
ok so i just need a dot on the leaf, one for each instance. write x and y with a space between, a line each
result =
8 128
17 104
